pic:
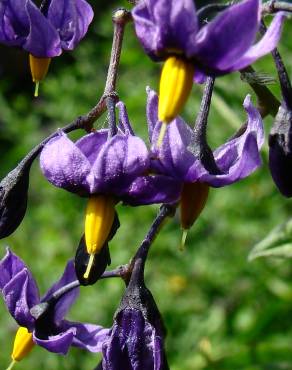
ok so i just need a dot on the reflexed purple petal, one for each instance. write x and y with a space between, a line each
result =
14 22
57 343
67 300
121 159
264 46
20 295
220 43
71 18
124 123
88 336
153 189
43 39
64 165
91 144
151 111
134 344
10 266
165 24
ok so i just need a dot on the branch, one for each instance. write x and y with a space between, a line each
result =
273 6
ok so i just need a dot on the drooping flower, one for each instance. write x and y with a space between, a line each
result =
45 327
136 340
171 31
43 32
177 157
106 171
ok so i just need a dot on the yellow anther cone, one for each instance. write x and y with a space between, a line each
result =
22 346
193 200
39 69
175 86
99 217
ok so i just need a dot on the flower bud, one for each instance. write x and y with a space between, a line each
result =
193 199
39 69
280 153
13 199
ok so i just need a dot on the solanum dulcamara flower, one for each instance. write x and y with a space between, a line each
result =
136 340
106 170
236 159
43 32
171 31
48 329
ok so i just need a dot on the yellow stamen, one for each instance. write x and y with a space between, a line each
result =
99 217
183 240
36 89
193 200
88 268
39 69
161 134
175 86
23 344
11 365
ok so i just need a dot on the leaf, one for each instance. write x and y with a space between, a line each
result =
277 243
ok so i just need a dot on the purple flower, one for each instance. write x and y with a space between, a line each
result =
223 45
136 340
50 330
60 25
236 159
118 166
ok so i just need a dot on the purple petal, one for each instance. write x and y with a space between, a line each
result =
151 111
43 39
91 144
88 336
71 18
14 22
67 300
134 344
121 160
173 157
64 165
10 266
165 24
57 343
220 43
264 46
20 295
124 123
153 189
237 158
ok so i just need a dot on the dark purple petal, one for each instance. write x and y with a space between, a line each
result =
264 46
14 22
88 336
120 160
124 122
43 39
71 18
20 295
220 43
66 301
153 189
57 343
134 344
65 166
10 266
163 25
237 158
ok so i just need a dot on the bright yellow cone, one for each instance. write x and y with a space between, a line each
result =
39 69
22 346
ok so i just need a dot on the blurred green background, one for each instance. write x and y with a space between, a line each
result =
221 311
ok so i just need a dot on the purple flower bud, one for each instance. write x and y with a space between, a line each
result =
136 340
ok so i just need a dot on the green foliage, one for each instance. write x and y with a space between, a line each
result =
221 312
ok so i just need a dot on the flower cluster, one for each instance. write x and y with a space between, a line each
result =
175 167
